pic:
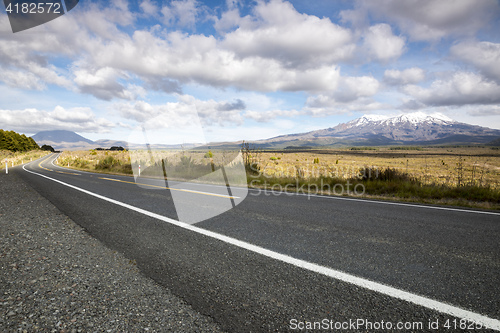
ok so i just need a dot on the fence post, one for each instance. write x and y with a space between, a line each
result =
6 167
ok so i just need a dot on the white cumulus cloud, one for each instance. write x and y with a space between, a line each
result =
461 88
181 12
429 20
81 119
353 94
103 84
483 55
277 31
382 45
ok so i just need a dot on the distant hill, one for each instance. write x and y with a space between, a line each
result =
63 140
60 136
110 143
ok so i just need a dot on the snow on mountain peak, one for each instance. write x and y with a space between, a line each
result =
420 117
414 118
440 116
368 118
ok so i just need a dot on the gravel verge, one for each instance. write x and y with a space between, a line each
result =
54 277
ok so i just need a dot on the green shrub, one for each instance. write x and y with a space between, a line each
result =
107 163
252 169
388 174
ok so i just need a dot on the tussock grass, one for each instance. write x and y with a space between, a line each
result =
462 176
174 165
112 162
19 157
433 166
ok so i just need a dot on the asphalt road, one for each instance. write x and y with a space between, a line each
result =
450 257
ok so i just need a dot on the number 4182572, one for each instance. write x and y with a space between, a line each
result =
34 8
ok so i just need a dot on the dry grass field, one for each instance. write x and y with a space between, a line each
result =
466 176
431 166
19 158
124 162
117 162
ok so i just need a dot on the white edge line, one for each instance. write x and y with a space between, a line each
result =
66 169
338 275
63 168
55 159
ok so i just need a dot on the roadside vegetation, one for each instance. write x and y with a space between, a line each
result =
465 176
15 142
179 165
398 186
18 158
114 162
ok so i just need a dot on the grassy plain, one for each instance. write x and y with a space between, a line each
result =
430 166
465 176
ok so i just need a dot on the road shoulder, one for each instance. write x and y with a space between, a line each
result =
56 276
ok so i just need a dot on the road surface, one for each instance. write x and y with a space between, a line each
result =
284 262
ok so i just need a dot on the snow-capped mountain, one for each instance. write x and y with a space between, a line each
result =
416 126
415 118
409 128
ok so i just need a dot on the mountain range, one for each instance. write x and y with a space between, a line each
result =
415 128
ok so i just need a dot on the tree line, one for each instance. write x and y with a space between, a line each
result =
10 140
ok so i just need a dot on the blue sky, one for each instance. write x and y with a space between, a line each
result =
248 70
